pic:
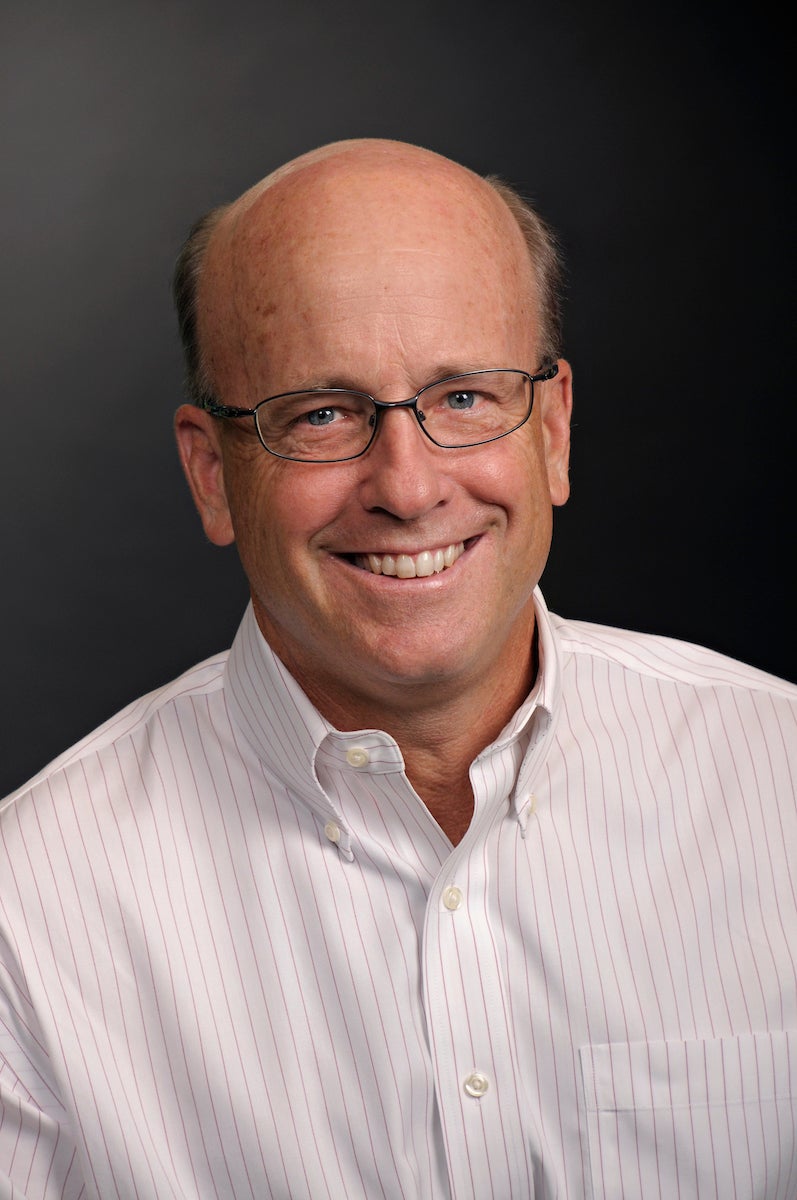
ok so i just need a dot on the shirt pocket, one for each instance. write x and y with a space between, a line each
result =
695 1120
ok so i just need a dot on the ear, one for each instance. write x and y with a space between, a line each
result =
199 447
556 406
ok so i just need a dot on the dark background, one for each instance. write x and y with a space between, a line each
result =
654 138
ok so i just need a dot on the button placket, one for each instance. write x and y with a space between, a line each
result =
467 1016
466 997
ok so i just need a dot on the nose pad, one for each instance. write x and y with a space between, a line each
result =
389 426
375 421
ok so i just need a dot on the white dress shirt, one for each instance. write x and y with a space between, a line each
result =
239 958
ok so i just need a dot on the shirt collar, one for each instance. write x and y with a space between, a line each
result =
281 725
528 733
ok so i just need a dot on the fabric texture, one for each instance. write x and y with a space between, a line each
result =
239 958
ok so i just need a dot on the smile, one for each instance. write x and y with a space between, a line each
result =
411 566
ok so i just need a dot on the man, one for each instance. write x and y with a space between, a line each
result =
420 891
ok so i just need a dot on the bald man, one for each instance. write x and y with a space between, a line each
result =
419 891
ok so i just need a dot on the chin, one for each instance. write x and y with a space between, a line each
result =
417 667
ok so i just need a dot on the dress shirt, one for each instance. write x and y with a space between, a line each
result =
239 958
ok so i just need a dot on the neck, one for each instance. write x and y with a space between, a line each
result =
439 734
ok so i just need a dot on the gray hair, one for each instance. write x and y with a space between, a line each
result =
546 263
185 290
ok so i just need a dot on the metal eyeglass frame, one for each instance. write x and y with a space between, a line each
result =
226 410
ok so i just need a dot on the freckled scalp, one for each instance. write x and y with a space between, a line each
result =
236 262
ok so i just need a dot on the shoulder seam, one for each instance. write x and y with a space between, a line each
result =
205 677
667 658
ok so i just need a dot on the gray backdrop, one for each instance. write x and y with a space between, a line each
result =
653 137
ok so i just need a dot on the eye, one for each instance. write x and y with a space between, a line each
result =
461 401
322 416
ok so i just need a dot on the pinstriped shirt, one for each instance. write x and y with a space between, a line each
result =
238 957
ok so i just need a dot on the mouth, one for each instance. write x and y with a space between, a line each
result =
411 566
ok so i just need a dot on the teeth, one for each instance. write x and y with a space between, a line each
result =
411 566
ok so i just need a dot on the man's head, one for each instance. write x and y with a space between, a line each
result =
379 267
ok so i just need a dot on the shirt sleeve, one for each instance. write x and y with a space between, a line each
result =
38 1150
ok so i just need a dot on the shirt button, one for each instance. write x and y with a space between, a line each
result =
531 806
357 757
332 832
476 1084
452 898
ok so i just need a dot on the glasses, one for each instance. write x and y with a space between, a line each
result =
327 425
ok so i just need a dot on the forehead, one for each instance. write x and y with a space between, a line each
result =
375 258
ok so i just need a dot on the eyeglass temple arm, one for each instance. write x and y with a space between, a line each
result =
222 410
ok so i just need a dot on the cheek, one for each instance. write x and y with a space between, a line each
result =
278 509
525 498
252 489
514 477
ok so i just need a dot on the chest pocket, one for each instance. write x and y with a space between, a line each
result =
698 1120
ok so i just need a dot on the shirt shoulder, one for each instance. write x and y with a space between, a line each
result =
665 658
203 679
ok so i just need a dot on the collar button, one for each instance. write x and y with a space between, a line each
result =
332 832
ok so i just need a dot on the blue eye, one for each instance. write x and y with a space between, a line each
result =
461 401
322 416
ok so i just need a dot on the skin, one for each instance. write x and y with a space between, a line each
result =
382 267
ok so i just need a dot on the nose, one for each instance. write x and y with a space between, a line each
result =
403 473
